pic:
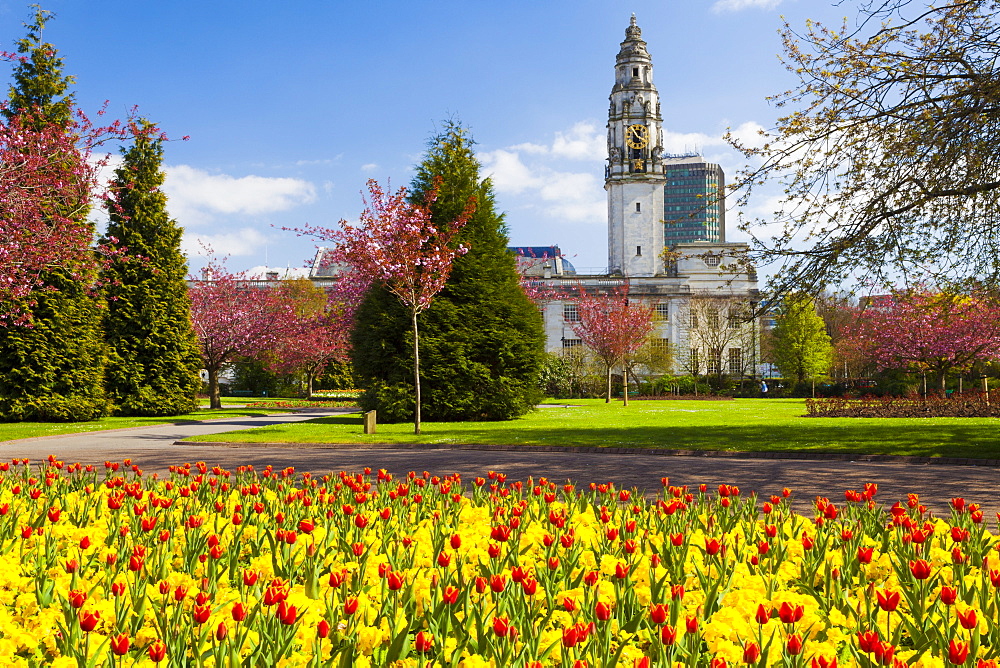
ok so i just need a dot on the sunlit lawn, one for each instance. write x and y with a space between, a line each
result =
743 424
14 430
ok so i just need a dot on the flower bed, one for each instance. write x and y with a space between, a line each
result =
302 403
970 404
270 568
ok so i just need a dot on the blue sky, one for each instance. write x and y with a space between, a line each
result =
290 107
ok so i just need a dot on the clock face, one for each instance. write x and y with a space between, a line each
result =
637 136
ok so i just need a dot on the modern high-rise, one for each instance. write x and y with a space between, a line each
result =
694 201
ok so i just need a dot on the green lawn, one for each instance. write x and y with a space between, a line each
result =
14 430
743 424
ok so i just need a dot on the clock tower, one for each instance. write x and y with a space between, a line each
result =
634 177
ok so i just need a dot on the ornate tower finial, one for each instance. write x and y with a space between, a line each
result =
633 31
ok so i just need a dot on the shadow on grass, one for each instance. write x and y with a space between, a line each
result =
954 439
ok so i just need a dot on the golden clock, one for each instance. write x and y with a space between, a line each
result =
637 136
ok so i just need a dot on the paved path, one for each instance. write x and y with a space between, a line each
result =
154 449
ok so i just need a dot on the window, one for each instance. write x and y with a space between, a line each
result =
713 260
694 360
715 360
570 313
571 343
694 320
661 311
638 207
660 345
713 319
635 71
735 321
638 250
736 361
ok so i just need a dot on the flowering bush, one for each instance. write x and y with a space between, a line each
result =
970 404
269 568
302 403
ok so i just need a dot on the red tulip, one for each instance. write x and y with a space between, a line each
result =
323 628
763 614
794 644
424 642
823 662
350 606
920 569
888 600
691 624
621 570
865 555
221 632
498 583
157 651
658 613
287 614
602 611
570 636
668 635
948 595
501 626
250 576
77 598
119 644
239 612
89 620
712 546
789 614
450 595
751 652
307 526
201 613
967 619
958 652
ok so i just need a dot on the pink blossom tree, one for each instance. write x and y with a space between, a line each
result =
48 178
927 331
233 319
613 326
397 245
320 336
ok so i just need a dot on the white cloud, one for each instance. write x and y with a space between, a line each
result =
246 241
509 173
584 141
196 194
738 5
370 167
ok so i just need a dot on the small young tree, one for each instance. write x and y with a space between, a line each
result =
928 331
801 346
399 247
614 327
153 357
234 320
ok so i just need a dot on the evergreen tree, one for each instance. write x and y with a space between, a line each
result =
53 370
801 346
153 354
481 340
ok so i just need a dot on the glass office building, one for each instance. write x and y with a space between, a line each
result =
694 200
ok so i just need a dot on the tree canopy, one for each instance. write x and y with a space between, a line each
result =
889 157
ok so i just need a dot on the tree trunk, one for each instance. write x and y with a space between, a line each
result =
608 399
416 374
213 387
694 377
309 385
625 383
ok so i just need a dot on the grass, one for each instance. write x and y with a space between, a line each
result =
14 430
743 424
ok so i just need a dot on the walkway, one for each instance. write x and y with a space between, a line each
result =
155 448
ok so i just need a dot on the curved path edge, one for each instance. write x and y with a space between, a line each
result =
665 452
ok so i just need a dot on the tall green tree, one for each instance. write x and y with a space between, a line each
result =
481 340
53 369
801 346
153 354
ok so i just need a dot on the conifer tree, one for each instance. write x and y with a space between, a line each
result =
53 369
481 340
153 354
